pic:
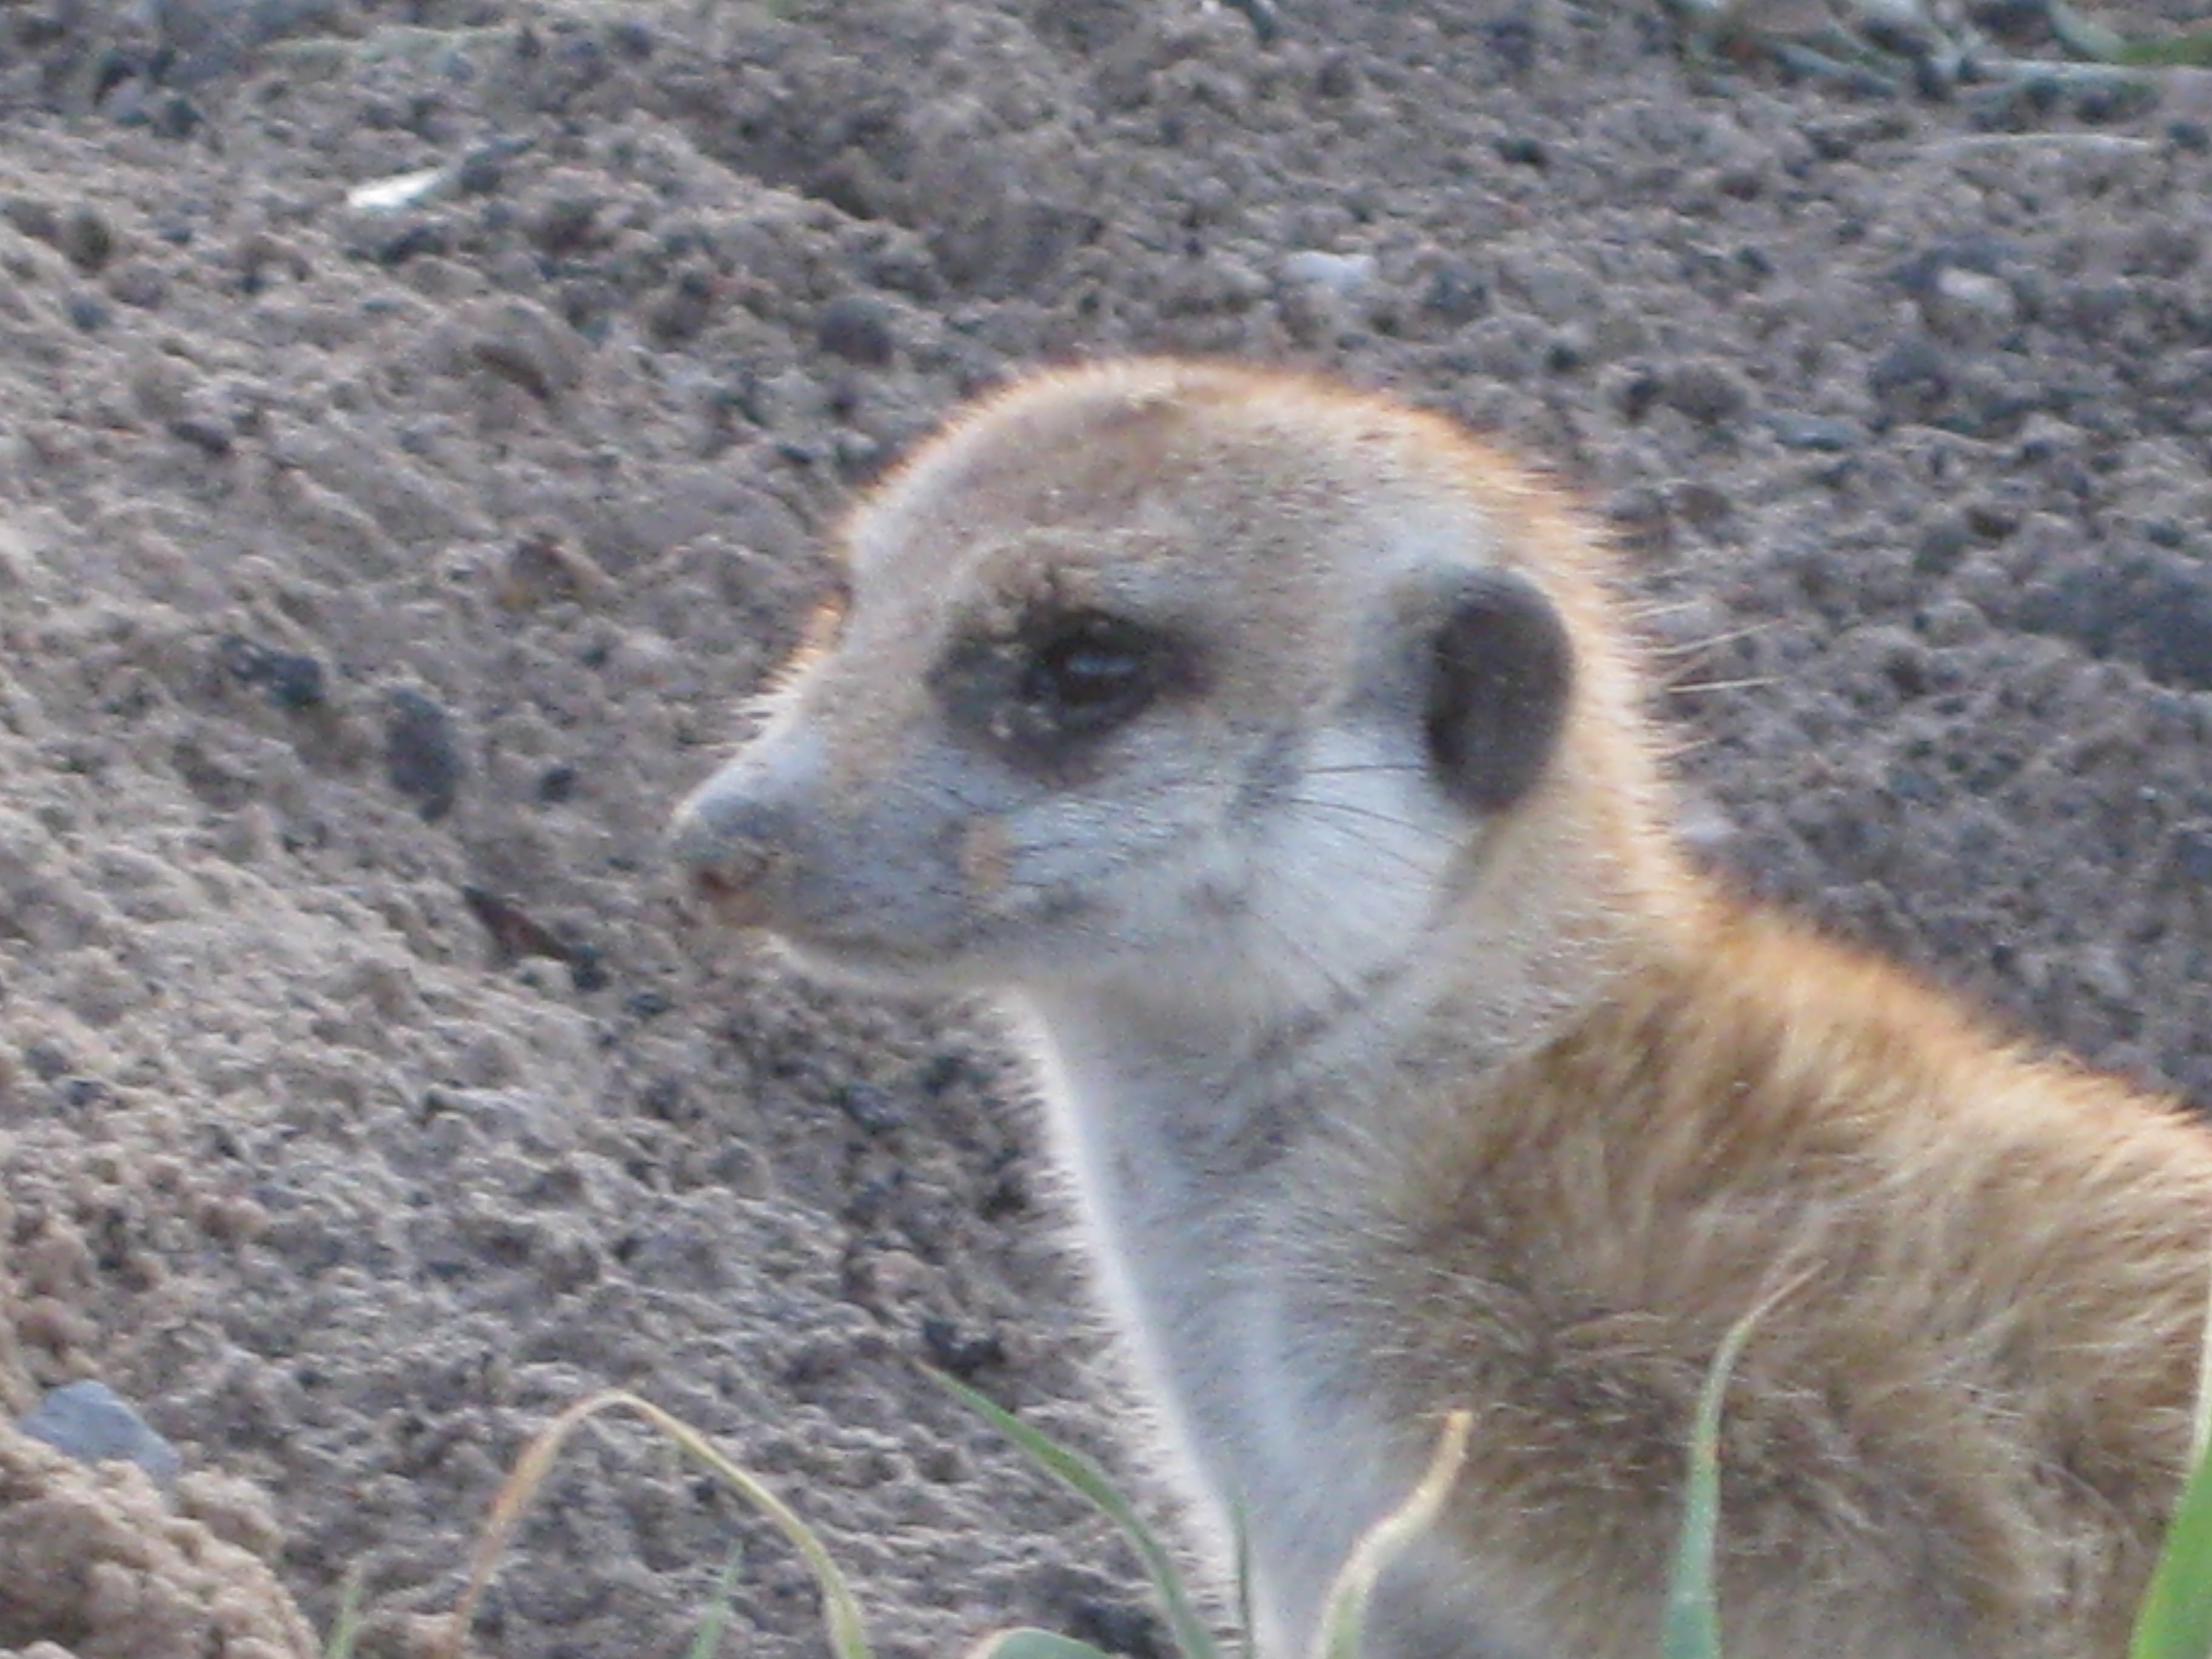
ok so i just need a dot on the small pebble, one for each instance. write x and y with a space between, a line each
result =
525 344
1705 392
95 1425
856 328
293 680
87 237
1826 433
422 754
1342 274
1969 305
200 432
2190 853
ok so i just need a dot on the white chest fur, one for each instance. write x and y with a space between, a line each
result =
1187 1192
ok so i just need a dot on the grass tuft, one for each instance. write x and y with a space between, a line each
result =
345 1626
840 1613
1185 1628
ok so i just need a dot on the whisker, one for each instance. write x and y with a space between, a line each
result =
1663 649
1362 768
1371 815
1681 744
1380 846
1747 682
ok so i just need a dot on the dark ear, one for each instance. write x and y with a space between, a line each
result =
1499 669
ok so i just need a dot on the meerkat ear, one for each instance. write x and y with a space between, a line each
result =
1500 664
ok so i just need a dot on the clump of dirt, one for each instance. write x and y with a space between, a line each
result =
100 1564
378 564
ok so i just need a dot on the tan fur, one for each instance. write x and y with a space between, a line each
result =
1377 1107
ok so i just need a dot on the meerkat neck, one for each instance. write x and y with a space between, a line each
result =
1166 1085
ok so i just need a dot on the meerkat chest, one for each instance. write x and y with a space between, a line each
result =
1206 1239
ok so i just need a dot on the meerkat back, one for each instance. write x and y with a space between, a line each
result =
1274 755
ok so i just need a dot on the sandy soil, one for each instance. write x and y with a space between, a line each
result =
371 580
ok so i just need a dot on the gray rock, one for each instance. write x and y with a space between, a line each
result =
95 1425
1969 306
1342 274
1832 434
422 752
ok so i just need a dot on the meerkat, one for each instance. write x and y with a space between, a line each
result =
1276 757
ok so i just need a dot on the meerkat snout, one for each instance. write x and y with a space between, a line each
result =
728 837
1276 759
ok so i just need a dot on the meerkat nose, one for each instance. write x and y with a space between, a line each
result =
726 838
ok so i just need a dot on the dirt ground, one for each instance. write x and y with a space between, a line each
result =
374 576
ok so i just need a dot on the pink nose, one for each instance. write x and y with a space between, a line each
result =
728 841
732 903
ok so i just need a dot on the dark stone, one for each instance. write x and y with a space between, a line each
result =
176 116
45 1061
1454 295
1911 381
293 680
587 969
2189 854
953 1349
87 237
81 1092
1943 545
422 754
856 328
201 433
1338 76
870 1108
514 932
2156 612
1512 42
1265 21
1705 392
426 236
682 310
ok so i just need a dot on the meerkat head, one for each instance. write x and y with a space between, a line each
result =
1170 673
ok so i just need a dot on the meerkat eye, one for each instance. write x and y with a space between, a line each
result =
1062 681
1090 675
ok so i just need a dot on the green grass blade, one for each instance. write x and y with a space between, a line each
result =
1025 1644
1344 1617
1240 1533
2175 1619
2084 36
1188 1631
2191 49
708 1637
345 1626
1690 1627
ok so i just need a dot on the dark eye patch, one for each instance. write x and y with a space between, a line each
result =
1062 682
